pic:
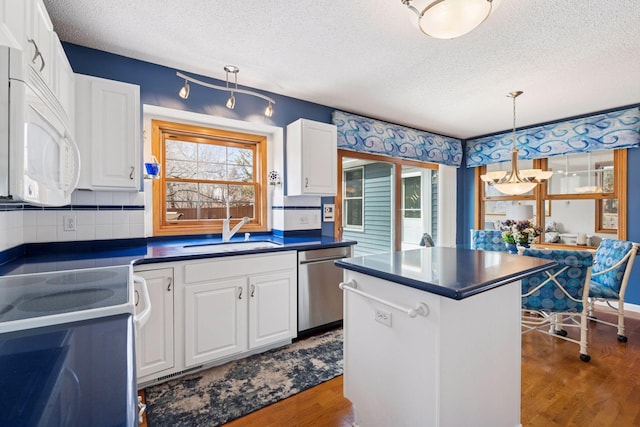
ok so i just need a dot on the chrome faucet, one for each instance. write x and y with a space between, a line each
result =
228 234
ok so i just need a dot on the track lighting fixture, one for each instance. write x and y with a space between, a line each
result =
233 89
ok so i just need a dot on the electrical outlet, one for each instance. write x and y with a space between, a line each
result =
69 223
383 317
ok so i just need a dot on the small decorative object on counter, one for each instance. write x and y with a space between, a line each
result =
514 233
273 177
152 170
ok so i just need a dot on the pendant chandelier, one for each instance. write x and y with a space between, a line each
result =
448 19
515 182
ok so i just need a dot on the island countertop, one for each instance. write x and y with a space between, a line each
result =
449 272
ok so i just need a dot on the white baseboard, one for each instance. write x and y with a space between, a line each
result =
627 306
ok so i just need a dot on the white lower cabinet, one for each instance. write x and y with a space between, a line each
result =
219 309
215 320
247 302
272 300
154 341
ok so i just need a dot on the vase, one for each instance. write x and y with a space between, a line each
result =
512 248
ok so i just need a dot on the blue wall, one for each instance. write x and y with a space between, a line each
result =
159 86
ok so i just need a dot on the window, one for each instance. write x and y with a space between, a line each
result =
585 196
207 175
353 198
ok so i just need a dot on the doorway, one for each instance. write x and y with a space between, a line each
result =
385 203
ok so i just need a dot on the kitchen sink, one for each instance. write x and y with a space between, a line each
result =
231 246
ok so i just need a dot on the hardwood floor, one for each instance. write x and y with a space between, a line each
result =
558 389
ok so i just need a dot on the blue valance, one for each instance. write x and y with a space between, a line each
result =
367 135
616 129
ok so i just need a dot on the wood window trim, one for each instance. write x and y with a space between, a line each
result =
397 163
161 227
540 195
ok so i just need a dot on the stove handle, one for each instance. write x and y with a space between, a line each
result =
142 317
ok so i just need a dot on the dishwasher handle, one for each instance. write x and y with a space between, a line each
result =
323 259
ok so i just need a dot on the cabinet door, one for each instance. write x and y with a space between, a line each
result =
272 308
311 158
64 83
154 341
108 133
12 23
215 320
39 49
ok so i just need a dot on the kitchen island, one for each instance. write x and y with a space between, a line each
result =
432 337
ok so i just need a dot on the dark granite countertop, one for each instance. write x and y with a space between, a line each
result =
39 258
449 272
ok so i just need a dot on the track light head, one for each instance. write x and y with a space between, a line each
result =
269 110
184 90
231 102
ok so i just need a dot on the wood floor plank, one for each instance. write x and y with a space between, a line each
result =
558 389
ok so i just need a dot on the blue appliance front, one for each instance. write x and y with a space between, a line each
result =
72 374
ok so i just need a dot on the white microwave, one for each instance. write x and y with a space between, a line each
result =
40 162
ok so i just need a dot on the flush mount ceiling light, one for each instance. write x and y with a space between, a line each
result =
515 182
448 19
233 89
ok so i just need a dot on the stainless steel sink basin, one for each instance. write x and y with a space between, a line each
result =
231 246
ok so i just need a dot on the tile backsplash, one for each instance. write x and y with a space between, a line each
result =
94 215
102 215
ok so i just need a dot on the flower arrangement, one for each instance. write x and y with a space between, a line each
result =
522 232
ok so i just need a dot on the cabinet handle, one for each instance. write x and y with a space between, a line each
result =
131 173
239 292
306 182
169 286
253 290
37 54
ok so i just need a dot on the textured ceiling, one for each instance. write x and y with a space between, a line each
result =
570 57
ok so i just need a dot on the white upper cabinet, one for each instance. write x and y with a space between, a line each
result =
64 83
108 134
312 158
40 40
12 23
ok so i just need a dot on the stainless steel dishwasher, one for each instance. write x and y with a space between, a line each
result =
319 297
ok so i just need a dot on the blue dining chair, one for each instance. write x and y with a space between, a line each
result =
487 240
609 277
558 298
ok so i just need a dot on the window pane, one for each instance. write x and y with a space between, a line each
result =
180 150
212 171
240 156
180 169
582 173
240 173
353 183
353 212
412 196
212 153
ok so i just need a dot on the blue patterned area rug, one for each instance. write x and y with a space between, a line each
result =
223 393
